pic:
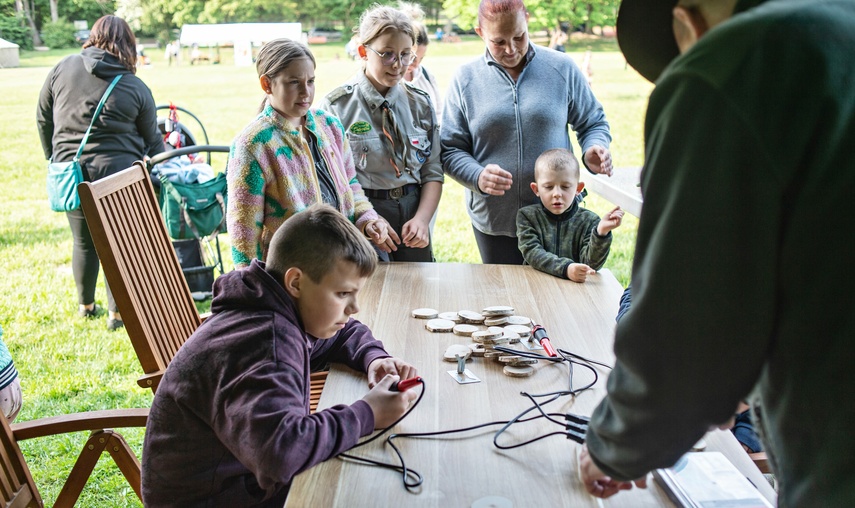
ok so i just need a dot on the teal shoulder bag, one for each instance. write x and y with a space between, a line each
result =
64 177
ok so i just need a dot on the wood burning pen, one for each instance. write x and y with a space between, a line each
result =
539 333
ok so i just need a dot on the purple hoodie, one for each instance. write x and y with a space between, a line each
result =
230 422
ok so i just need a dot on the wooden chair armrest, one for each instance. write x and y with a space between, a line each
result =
150 380
204 316
90 420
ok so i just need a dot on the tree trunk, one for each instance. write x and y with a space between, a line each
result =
589 27
54 11
21 6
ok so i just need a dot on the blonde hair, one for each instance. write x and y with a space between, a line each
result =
381 19
417 16
557 159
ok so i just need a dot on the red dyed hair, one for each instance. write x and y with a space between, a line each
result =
488 9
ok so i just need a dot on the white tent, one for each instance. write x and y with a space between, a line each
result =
9 54
236 33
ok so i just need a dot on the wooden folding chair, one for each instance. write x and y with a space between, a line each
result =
143 270
17 488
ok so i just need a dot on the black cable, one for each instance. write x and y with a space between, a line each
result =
574 426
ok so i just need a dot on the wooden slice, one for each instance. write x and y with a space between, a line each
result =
456 350
498 310
482 335
522 330
464 329
439 325
424 313
513 337
512 371
497 329
499 341
495 321
451 316
493 354
477 350
517 361
472 317
519 320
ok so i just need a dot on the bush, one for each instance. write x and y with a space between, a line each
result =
15 29
58 35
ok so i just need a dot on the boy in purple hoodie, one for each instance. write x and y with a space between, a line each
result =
230 422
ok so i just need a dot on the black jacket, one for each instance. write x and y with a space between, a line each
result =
126 129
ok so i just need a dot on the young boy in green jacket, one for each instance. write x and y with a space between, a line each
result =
557 236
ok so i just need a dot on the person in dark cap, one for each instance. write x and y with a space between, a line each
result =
740 285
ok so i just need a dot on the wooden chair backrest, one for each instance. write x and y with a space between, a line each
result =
141 266
17 488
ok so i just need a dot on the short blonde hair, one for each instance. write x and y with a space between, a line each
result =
381 19
314 240
557 159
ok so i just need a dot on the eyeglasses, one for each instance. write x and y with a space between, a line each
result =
389 58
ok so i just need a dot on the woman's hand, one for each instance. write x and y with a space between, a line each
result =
494 180
599 160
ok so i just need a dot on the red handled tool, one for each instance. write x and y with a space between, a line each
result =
539 334
405 384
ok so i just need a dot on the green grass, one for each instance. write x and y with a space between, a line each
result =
69 364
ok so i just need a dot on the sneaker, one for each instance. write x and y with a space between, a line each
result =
89 313
114 324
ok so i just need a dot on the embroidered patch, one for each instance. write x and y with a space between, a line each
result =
360 127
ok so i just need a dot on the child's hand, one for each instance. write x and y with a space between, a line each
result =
610 221
416 233
382 235
387 405
578 272
381 367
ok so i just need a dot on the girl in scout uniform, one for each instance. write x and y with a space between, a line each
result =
289 157
392 131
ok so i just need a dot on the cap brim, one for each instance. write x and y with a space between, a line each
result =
645 35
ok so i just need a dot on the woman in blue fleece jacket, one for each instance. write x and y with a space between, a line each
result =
501 112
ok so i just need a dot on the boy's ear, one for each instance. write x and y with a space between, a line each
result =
580 187
534 188
293 279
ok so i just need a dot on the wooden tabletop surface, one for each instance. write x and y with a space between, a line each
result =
462 469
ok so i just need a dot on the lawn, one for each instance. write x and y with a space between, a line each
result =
69 364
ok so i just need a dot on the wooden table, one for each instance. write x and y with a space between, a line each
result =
458 471
621 188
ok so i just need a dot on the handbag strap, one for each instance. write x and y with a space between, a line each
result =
95 116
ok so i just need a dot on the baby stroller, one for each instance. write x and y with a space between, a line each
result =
192 199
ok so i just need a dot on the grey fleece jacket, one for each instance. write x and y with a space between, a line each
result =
490 119
124 132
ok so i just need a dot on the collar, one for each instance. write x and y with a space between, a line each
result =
311 123
566 215
372 96
529 55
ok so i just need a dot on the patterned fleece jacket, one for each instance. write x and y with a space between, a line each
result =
550 243
271 176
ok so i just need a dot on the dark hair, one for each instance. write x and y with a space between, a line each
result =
488 9
314 240
557 159
275 56
113 35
